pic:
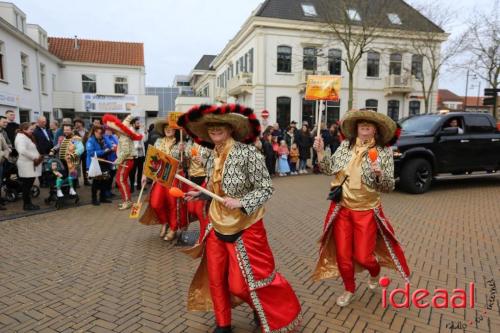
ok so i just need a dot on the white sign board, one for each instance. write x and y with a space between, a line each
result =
111 104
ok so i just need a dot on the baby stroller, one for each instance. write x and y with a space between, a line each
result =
60 185
11 184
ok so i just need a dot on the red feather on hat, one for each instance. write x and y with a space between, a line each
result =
109 118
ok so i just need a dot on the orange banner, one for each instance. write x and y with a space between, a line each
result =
323 87
172 119
160 167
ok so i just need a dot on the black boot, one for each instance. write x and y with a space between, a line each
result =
224 329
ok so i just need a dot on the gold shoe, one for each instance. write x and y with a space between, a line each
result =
163 230
373 282
125 205
345 299
171 234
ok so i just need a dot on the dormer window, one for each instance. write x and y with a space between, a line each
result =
394 18
309 10
353 14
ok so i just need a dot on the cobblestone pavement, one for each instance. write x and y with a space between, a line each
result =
93 270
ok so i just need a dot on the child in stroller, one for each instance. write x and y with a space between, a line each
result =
60 180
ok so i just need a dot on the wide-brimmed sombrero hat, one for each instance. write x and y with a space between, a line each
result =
246 126
122 127
160 125
387 128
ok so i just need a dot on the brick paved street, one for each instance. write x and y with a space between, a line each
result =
94 270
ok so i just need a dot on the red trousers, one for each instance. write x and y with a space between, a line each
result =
122 179
168 209
355 234
271 296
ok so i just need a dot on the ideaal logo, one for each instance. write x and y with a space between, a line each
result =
423 298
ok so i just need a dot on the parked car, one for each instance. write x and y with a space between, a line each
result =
438 143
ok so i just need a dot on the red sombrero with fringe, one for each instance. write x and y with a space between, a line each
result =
123 127
244 122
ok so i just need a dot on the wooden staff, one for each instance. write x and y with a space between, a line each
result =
199 188
109 162
318 104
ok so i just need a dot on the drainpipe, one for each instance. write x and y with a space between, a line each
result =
39 82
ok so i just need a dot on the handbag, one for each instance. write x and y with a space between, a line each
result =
336 192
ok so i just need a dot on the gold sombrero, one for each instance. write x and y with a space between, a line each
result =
386 126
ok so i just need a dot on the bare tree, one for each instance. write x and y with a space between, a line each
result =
432 46
355 24
483 47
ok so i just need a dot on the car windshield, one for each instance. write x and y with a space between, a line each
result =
419 124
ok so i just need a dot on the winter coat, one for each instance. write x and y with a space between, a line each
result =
304 142
27 155
93 147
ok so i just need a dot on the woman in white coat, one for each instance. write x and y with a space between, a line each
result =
28 163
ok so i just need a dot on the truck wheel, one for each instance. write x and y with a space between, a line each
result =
416 176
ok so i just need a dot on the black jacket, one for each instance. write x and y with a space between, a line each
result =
43 144
304 142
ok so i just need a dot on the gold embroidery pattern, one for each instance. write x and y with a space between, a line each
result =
394 258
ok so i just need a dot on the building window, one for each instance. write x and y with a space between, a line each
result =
309 112
395 64
121 85
309 10
205 91
394 18
373 64
334 61
250 61
414 108
237 67
284 59
43 78
283 107
242 65
25 70
371 104
353 14
416 66
54 80
2 60
89 83
309 62
393 110
332 112
246 62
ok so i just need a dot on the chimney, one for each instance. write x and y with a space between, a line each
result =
76 43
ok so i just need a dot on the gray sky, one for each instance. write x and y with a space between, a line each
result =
175 33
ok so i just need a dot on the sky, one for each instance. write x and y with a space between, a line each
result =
176 33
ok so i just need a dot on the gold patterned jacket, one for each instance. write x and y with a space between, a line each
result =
245 176
125 150
173 151
332 164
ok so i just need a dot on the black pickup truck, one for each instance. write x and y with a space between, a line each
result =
439 143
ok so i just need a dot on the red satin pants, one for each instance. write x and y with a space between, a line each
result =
355 234
122 180
168 209
276 299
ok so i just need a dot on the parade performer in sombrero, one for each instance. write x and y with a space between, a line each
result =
125 152
163 208
356 233
237 263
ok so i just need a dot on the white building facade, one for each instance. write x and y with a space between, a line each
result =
28 70
266 64
68 77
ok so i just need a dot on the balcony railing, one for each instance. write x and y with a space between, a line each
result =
241 83
398 84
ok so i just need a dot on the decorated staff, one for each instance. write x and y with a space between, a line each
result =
237 263
126 153
356 233
163 208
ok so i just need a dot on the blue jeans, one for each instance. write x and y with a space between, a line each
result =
302 164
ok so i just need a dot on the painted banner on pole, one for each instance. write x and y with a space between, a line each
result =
172 119
160 167
323 87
